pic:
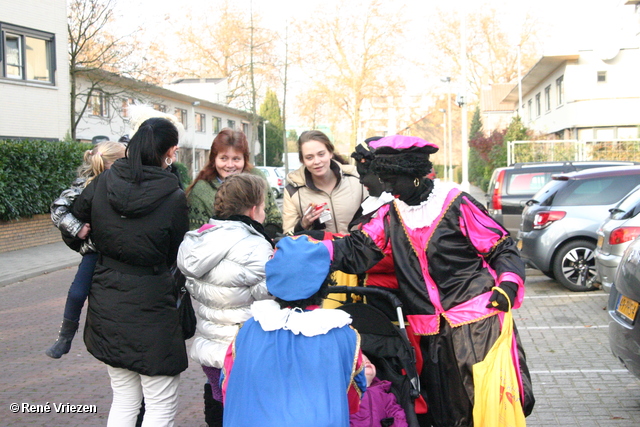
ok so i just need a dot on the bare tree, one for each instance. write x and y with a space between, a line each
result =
227 42
92 47
351 52
491 51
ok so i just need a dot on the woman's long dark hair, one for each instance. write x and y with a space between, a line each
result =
149 144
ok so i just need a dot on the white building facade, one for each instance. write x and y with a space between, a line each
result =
592 94
34 70
107 113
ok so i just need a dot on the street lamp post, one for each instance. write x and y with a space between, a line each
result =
445 143
519 86
449 170
264 142
465 140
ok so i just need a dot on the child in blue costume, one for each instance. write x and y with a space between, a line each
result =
293 363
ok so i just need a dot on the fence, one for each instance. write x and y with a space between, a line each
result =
573 150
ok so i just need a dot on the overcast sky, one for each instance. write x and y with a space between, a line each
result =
564 26
562 22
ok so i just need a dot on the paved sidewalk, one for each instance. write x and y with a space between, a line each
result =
23 264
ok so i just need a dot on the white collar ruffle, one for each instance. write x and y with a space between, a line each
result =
308 323
373 203
424 214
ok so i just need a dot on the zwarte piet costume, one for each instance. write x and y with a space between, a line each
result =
448 254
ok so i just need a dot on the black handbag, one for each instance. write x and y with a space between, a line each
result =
185 307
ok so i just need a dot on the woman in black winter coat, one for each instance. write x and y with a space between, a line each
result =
138 217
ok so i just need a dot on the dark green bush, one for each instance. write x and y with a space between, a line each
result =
33 173
183 173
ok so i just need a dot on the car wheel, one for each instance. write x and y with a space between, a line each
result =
574 265
275 193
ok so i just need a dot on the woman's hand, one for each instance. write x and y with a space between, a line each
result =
311 214
84 231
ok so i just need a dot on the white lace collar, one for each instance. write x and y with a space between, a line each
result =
308 323
373 203
425 213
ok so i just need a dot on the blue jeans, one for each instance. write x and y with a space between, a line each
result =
80 286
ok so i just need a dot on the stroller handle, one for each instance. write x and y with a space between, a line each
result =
361 290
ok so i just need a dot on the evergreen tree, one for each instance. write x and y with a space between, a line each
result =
476 125
270 110
516 131
477 164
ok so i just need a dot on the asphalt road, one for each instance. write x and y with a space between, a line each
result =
577 381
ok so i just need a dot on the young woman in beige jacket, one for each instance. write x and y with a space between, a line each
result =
323 193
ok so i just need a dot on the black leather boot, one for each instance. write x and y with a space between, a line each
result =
212 408
63 343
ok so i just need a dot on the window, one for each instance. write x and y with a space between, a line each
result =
231 124
181 115
538 106
547 98
527 183
245 128
126 102
160 107
602 76
200 126
530 110
27 54
98 105
216 124
560 90
596 191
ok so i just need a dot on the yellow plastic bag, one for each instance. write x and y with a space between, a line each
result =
497 394
342 279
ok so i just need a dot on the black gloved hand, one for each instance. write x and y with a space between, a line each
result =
511 289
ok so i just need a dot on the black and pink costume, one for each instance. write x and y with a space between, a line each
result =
448 253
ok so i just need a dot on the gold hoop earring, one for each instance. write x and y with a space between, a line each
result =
416 182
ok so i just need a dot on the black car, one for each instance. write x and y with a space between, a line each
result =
512 186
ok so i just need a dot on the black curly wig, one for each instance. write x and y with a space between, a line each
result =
413 162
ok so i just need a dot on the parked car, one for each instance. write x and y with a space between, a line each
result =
624 299
275 180
511 187
615 235
558 230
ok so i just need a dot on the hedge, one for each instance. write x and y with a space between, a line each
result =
33 173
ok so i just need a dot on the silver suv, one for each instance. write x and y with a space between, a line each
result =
512 186
558 230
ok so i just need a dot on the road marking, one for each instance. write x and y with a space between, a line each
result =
565 296
531 328
580 371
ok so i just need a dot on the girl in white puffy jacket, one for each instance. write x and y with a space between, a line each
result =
223 262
